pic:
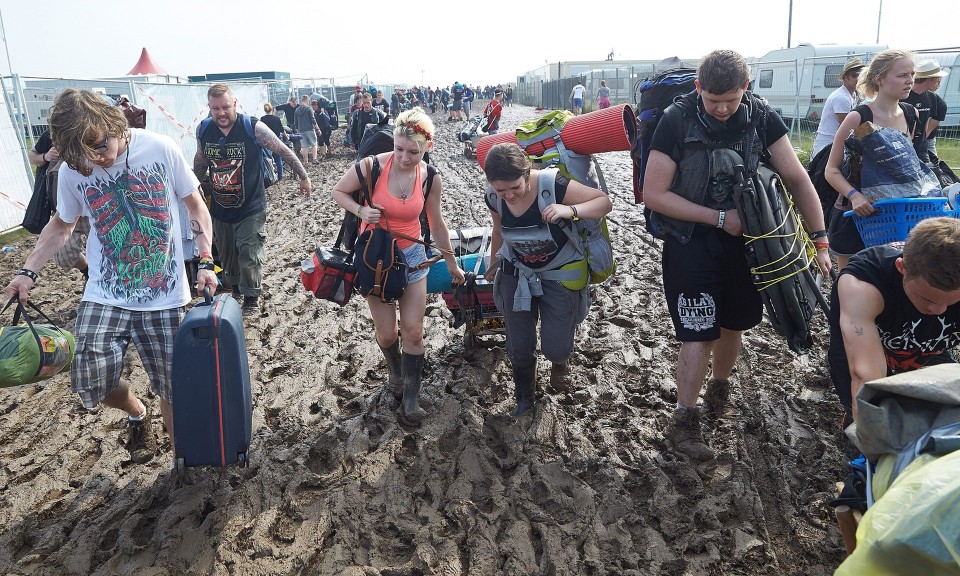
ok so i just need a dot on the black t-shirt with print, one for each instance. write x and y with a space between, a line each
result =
234 172
533 218
911 340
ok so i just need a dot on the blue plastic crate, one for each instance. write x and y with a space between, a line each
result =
894 218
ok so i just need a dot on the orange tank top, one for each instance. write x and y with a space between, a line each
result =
403 216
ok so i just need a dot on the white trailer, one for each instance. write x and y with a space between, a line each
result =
796 81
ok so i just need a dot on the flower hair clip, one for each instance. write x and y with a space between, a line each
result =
416 128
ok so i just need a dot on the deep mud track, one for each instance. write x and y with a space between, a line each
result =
338 486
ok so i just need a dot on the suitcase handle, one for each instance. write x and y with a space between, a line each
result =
207 297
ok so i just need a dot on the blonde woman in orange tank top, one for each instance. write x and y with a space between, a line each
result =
397 199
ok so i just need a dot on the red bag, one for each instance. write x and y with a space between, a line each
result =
329 273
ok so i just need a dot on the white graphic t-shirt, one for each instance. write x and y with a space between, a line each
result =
134 249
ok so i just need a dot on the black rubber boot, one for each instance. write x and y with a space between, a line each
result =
524 382
395 378
560 378
411 369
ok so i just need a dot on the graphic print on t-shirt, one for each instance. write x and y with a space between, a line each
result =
226 172
911 350
132 219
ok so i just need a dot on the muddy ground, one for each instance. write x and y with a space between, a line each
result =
338 486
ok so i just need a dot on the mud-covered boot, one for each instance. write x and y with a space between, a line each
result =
686 435
524 382
716 397
411 370
560 378
395 378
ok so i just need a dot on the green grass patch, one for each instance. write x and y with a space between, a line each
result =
948 148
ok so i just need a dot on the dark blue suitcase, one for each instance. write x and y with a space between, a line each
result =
212 410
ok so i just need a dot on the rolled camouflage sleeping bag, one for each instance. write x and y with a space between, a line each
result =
32 352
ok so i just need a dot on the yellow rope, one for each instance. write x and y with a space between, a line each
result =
804 256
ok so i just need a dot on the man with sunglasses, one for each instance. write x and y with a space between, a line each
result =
130 185
238 202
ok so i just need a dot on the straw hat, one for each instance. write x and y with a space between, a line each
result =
853 64
928 69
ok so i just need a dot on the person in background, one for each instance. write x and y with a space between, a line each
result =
931 107
272 121
71 255
576 97
491 114
927 75
289 110
381 103
306 127
325 129
603 95
366 115
838 105
467 99
397 201
528 248
354 101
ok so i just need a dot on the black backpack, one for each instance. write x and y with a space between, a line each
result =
654 95
816 171
377 139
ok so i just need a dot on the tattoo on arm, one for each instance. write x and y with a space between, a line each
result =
196 228
858 330
267 139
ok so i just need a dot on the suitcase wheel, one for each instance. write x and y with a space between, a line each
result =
243 458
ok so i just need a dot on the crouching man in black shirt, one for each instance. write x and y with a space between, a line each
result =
893 311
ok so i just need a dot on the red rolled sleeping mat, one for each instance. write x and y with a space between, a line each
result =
609 130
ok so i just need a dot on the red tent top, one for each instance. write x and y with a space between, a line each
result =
146 65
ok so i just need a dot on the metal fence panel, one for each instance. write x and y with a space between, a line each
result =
15 184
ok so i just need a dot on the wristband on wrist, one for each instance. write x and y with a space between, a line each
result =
206 256
575 216
206 265
28 273
822 245
359 208
721 218
818 234
851 193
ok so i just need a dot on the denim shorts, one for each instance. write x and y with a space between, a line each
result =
415 255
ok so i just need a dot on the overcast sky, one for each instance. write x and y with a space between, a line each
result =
492 42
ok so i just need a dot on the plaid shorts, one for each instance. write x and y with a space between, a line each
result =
103 334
